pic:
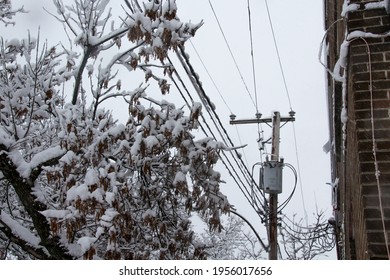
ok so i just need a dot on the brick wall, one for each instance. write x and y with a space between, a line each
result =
368 84
369 68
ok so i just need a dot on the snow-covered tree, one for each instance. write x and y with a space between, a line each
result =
74 182
296 241
233 242
6 12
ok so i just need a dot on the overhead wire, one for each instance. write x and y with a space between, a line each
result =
258 115
290 105
214 117
211 109
192 101
226 162
278 53
259 126
210 77
254 101
252 56
233 171
241 166
255 84
231 54
284 204
251 195
220 94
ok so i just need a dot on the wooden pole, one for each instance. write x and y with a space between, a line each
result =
273 197
276 119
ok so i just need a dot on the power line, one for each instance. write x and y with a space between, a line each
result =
209 75
289 102
220 94
226 162
253 200
277 53
259 125
225 159
252 56
216 120
231 54
204 98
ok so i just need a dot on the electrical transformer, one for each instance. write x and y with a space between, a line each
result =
272 177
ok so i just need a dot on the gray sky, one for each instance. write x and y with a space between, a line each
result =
298 27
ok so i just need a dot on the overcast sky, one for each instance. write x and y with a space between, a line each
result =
298 27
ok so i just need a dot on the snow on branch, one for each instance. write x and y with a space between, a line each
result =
18 230
38 160
85 183
7 13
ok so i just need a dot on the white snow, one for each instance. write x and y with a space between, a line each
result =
197 106
103 123
85 243
91 178
18 230
157 42
68 157
361 34
136 146
108 216
24 168
341 62
151 141
110 197
169 6
347 7
376 5
178 129
46 155
59 214
344 115
80 191
99 231
98 195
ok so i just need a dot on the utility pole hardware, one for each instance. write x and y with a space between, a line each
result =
272 173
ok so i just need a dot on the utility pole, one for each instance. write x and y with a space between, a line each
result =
273 197
276 119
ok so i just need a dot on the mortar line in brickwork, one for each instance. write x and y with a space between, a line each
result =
377 171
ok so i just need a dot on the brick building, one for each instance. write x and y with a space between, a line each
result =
357 48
